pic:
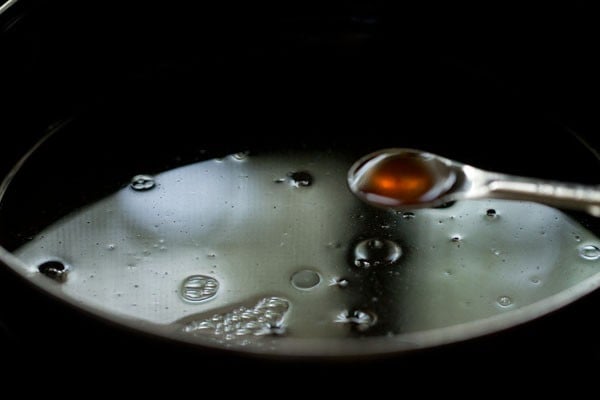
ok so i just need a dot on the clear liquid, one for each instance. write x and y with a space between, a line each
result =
289 253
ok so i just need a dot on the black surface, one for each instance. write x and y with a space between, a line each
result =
317 74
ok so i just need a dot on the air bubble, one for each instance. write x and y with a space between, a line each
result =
358 319
301 178
373 252
305 279
242 155
142 182
55 270
408 215
535 280
589 252
504 301
199 288
491 213
339 282
456 239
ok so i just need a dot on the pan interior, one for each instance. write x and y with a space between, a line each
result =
199 192
267 250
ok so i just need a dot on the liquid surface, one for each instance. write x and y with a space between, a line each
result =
253 250
391 179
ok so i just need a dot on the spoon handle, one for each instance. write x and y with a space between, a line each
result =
557 194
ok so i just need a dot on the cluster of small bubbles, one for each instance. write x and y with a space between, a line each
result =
339 282
266 317
301 178
305 279
504 301
589 252
160 245
373 252
242 155
54 269
358 319
408 215
491 213
199 288
142 182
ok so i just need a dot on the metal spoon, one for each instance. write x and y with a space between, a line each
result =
403 178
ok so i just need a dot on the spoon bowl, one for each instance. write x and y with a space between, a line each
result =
405 179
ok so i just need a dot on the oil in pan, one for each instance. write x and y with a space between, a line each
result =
269 252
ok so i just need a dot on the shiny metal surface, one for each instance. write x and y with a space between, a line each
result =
6 5
473 183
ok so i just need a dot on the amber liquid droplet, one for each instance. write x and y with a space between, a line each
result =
402 179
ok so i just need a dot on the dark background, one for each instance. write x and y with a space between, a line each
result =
511 80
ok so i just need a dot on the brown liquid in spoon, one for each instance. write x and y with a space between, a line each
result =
405 178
